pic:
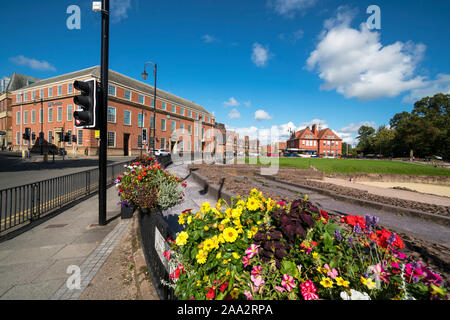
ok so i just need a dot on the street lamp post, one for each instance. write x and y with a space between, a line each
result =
144 77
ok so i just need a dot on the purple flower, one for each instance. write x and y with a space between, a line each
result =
357 229
350 241
338 235
371 222
391 239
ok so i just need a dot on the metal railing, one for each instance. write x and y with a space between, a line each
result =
34 200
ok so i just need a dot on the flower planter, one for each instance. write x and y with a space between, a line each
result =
126 212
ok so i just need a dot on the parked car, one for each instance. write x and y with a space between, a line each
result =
162 152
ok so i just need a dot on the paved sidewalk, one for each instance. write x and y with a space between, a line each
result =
33 265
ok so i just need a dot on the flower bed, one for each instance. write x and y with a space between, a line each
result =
256 248
146 185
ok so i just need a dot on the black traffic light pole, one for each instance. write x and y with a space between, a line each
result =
103 114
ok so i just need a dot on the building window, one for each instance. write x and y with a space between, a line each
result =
203 132
69 112
152 122
41 115
303 142
50 92
33 134
41 94
163 124
189 145
33 116
59 114
164 106
112 90
127 95
18 97
315 143
190 114
140 120
59 90
69 88
25 117
139 142
182 111
18 138
127 117
328 142
174 109
337 143
141 99
33 95
50 114
153 102
18 117
174 126
111 114
195 130
189 131
163 143
80 137
182 127
111 139
50 136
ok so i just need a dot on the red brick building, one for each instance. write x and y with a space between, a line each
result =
324 143
47 106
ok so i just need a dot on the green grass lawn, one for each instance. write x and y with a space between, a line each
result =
348 166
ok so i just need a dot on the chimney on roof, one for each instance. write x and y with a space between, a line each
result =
314 129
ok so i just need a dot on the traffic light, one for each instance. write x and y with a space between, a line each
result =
26 135
87 118
60 136
144 134
67 136
33 136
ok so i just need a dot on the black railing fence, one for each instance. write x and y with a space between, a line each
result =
34 200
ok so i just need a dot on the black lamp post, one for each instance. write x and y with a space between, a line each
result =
144 77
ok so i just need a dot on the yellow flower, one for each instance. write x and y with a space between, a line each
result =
253 204
217 213
363 281
206 207
249 234
221 227
236 213
181 219
221 238
341 282
182 238
206 228
189 220
225 261
234 293
228 213
326 282
225 221
235 255
218 206
230 234
208 244
219 255
201 256
198 215
435 290
237 222
370 284
315 255
270 204
254 191
199 283
254 229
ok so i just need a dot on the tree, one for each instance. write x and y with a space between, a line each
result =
365 135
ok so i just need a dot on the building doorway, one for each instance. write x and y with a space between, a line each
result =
126 141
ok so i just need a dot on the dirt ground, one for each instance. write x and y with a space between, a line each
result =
426 188
240 179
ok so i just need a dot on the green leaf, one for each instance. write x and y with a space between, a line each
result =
327 240
289 267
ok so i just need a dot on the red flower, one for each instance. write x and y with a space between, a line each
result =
139 178
211 293
167 254
324 214
223 287
354 220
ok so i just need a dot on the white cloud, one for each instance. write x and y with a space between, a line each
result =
349 133
355 63
319 122
248 103
430 88
231 102
260 55
292 37
234 114
119 9
209 39
32 63
289 8
262 115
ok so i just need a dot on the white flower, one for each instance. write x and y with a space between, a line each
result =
354 295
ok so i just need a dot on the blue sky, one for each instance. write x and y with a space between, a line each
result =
257 64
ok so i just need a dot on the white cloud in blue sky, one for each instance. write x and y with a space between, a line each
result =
260 55
32 63
289 8
118 10
234 114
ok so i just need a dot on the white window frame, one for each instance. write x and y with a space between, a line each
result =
127 124
59 115
109 90
50 90
69 88
163 127
125 95
139 99
78 137
49 136
69 114
115 114
108 140
18 118
59 90
50 112
33 116
25 117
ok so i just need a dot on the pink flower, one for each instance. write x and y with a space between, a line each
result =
257 281
308 290
256 270
380 273
248 294
331 272
252 251
281 289
245 261
288 282
167 254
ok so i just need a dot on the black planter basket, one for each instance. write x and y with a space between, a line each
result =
126 212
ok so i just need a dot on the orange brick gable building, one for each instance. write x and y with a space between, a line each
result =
130 111
323 143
